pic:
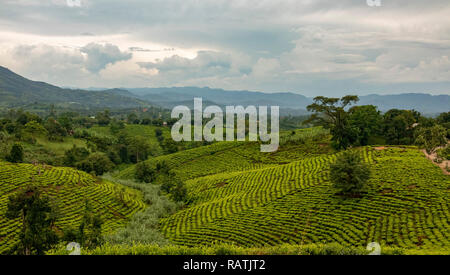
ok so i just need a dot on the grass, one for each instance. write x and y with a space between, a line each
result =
224 249
59 148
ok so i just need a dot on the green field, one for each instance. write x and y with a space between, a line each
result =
240 156
68 190
242 201
406 205
242 197
146 131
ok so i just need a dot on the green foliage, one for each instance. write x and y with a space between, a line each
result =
103 118
444 120
145 172
367 120
133 118
115 126
36 235
26 117
398 127
96 162
349 174
431 138
89 232
138 148
331 114
143 227
75 155
175 187
444 153
229 249
16 154
226 249
169 146
55 131
158 132
68 190
35 129
297 203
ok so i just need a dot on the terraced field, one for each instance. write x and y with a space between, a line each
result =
406 204
233 156
68 189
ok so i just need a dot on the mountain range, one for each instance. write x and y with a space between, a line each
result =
16 91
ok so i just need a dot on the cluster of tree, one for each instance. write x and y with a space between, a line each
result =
104 152
27 127
38 216
151 172
133 118
168 145
364 125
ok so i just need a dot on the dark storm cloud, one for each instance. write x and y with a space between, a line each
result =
98 56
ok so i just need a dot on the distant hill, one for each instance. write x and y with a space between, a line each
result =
424 103
289 103
16 90
167 96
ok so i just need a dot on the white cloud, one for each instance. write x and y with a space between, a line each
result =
298 45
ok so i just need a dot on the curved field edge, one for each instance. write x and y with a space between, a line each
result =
406 205
68 189
224 249
232 156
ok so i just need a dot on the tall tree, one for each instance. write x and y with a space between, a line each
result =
103 118
399 126
36 216
138 148
367 120
430 138
331 114
35 129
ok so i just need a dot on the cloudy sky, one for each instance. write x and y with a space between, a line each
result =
310 47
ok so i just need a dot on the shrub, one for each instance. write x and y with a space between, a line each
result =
145 172
175 187
74 155
349 174
37 218
97 162
16 154
444 153
143 228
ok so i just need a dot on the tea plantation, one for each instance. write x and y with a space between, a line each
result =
68 190
406 204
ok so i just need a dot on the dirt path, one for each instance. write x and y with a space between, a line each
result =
444 164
